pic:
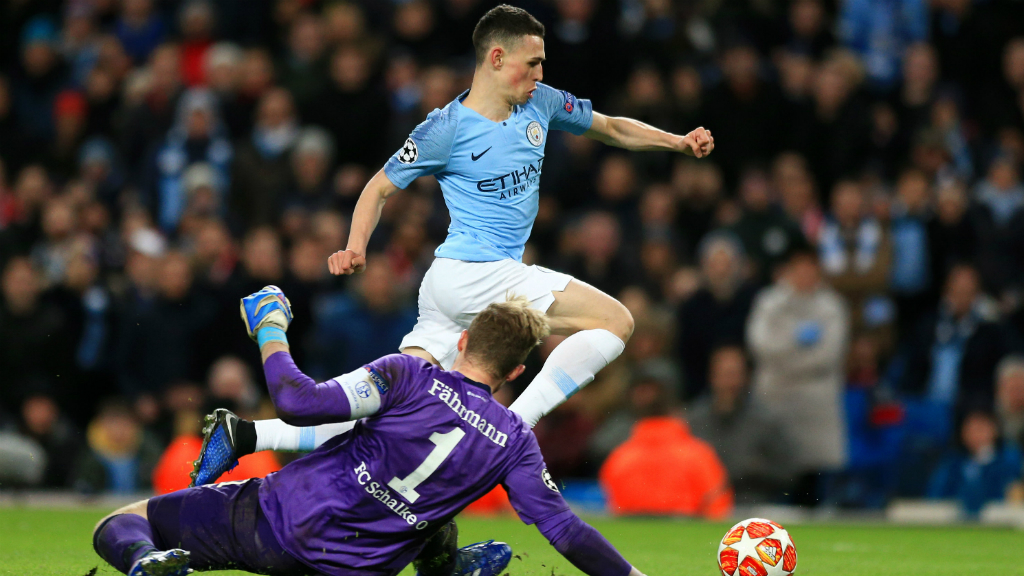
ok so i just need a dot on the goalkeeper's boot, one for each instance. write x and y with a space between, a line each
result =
167 563
220 448
482 559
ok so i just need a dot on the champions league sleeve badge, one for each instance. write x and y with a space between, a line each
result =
409 152
534 133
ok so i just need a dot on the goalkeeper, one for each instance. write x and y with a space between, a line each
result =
428 442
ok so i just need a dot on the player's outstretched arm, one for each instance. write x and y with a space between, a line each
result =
364 221
584 546
300 401
635 135
536 499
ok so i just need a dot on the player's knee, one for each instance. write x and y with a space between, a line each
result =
138 508
621 322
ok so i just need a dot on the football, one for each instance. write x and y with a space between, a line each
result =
757 547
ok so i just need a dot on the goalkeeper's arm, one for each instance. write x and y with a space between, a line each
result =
299 400
584 546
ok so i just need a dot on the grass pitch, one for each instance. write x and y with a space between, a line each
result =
57 543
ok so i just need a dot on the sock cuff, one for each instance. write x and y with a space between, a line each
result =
607 344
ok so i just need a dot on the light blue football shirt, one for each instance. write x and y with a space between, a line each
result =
489 171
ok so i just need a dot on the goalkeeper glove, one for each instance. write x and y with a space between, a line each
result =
268 308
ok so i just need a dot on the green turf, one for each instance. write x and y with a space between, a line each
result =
57 543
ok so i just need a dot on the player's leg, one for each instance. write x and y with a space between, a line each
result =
598 327
125 539
441 556
226 438
217 527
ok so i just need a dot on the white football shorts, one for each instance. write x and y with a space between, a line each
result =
453 292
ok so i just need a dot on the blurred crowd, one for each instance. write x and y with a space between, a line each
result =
829 309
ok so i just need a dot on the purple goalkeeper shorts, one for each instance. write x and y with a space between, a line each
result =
223 527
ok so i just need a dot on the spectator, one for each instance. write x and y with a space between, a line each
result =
765 231
716 315
910 277
796 189
999 222
44 424
197 136
303 68
875 430
953 356
10 149
230 385
196 24
980 472
140 29
70 111
222 71
159 341
743 109
352 329
596 256
120 456
856 257
151 114
351 104
748 437
951 235
42 75
35 348
798 334
311 162
873 30
650 384
663 469
1010 398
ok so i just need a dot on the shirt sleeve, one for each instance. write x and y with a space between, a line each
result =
390 376
426 151
530 488
565 111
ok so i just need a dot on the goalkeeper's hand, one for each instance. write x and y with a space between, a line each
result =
268 307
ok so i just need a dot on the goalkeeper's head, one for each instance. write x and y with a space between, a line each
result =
501 336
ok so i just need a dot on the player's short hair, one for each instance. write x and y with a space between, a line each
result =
504 333
503 25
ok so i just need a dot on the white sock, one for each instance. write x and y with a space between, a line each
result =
570 366
276 435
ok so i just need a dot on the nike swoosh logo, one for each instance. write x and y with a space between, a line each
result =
476 157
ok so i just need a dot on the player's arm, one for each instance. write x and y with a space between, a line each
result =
364 221
299 400
425 152
537 501
635 135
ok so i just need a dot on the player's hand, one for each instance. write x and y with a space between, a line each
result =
346 262
698 143
268 307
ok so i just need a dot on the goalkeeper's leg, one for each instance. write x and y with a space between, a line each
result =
226 438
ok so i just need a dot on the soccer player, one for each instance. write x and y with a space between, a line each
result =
486 149
428 443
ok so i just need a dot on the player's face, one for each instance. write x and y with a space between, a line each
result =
524 68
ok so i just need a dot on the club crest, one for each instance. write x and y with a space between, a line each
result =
534 133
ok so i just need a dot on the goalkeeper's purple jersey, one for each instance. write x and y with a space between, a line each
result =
366 500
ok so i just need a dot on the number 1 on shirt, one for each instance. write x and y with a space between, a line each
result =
444 444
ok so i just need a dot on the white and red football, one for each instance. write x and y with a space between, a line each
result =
757 547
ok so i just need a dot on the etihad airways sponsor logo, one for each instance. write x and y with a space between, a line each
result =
514 183
451 399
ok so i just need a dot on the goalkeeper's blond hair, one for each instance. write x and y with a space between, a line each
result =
504 333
